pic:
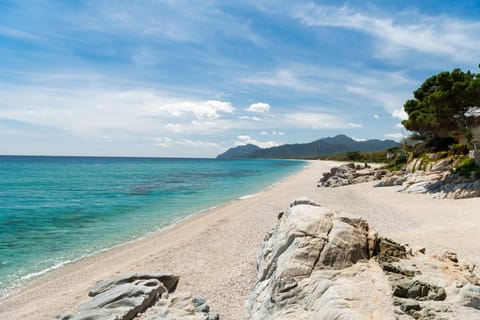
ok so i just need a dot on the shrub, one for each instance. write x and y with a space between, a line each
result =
466 167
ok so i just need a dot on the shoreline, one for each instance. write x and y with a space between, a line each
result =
47 278
215 252
19 284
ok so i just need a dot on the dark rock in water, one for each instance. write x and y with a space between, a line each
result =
149 294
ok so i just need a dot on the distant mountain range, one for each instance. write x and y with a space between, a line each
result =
326 146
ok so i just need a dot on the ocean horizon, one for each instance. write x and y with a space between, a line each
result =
58 209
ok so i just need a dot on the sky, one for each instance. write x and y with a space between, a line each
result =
192 78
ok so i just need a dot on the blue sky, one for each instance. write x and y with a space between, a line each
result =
192 78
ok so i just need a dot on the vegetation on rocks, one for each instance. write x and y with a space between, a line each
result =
467 167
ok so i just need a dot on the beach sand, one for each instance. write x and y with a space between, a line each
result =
215 253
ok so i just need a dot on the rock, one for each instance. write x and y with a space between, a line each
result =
168 280
149 294
350 174
181 307
442 165
123 301
438 182
410 306
452 256
317 264
475 155
299 261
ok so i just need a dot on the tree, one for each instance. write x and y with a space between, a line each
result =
443 104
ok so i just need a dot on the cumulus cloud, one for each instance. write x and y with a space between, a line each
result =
259 107
96 112
263 133
376 116
400 114
212 109
245 139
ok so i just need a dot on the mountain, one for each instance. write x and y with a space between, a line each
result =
238 152
326 146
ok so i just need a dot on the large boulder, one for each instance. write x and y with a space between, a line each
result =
150 294
316 264
300 259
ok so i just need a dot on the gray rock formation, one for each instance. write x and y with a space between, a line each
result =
148 294
435 178
316 264
350 174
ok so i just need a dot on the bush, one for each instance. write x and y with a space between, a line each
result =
466 167
457 149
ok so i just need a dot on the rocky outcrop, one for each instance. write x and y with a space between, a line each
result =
316 264
439 184
435 178
149 295
351 174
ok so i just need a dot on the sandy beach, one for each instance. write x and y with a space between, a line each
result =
215 253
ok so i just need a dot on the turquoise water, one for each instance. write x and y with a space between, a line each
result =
54 210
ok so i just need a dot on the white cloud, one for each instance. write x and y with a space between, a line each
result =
212 109
395 136
318 121
174 127
259 107
390 98
249 118
376 116
98 112
359 139
400 114
440 35
355 125
245 139
162 141
284 78
198 144
263 133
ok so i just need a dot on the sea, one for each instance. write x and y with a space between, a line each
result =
56 210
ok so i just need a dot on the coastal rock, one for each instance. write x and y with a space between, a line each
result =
350 174
436 180
317 264
150 294
310 265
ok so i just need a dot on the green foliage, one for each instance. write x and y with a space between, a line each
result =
457 149
432 145
467 167
469 136
441 104
354 156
